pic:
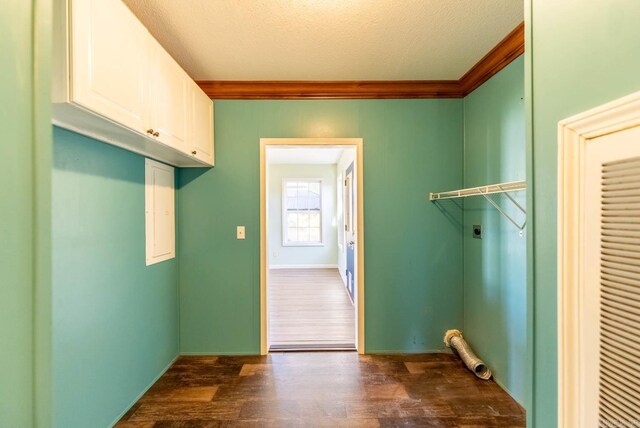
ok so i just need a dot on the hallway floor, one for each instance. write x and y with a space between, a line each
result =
309 307
323 389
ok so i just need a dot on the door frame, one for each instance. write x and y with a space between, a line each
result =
574 134
358 144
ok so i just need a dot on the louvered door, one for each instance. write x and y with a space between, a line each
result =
610 316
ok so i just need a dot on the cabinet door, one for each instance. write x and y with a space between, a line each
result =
167 98
159 212
201 135
109 60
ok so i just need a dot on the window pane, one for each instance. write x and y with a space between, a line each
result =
292 234
302 203
292 219
314 234
303 219
303 235
303 211
314 219
314 188
292 203
292 189
314 203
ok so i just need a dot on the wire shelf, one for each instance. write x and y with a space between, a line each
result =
506 188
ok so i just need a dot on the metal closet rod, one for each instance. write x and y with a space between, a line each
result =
512 186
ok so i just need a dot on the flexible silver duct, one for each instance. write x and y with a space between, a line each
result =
453 339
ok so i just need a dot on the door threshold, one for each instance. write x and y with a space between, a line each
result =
303 347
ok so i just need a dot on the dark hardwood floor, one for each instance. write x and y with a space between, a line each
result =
323 389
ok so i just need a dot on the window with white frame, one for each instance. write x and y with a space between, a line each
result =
302 212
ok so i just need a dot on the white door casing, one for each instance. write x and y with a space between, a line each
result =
591 144
358 222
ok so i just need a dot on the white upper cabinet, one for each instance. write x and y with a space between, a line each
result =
114 82
109 64
201 125
167 98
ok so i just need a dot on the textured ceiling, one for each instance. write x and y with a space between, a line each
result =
328 39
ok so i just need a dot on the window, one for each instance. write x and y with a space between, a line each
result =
302 212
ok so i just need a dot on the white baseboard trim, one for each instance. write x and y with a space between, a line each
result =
343 276
330 266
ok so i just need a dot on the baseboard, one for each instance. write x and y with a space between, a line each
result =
330 266
501 385
343 276
135 400
218 354
406 352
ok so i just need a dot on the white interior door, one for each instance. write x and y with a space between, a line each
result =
609 335
350 230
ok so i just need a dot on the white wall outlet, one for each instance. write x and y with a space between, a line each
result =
240 232
275 254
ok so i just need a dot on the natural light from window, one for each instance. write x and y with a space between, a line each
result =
302 212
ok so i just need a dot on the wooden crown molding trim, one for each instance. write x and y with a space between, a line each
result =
509 48
499 57
227 89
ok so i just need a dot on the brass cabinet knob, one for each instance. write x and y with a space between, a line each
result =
150 131
194 152
156 134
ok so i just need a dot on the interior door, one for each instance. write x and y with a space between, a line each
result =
350 230
610 319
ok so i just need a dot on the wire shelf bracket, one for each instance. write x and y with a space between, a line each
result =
485 191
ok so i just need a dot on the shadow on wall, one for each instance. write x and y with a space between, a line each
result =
187 175
453 211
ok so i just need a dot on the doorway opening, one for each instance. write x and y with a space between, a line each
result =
311 241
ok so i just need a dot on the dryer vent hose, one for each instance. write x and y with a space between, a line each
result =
453 339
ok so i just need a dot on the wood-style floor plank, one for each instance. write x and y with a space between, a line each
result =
309 307
323 389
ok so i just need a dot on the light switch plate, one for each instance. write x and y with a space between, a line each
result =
240 232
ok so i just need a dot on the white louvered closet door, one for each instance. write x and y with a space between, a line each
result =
610 317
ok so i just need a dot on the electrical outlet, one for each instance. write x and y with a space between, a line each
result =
240 232
477 231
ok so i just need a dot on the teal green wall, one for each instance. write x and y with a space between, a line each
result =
25 195
16 196
412 248
115 320
495 266
581 57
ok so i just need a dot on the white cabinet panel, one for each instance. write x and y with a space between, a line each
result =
159 212
201 137
167 98
109 61
112 81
